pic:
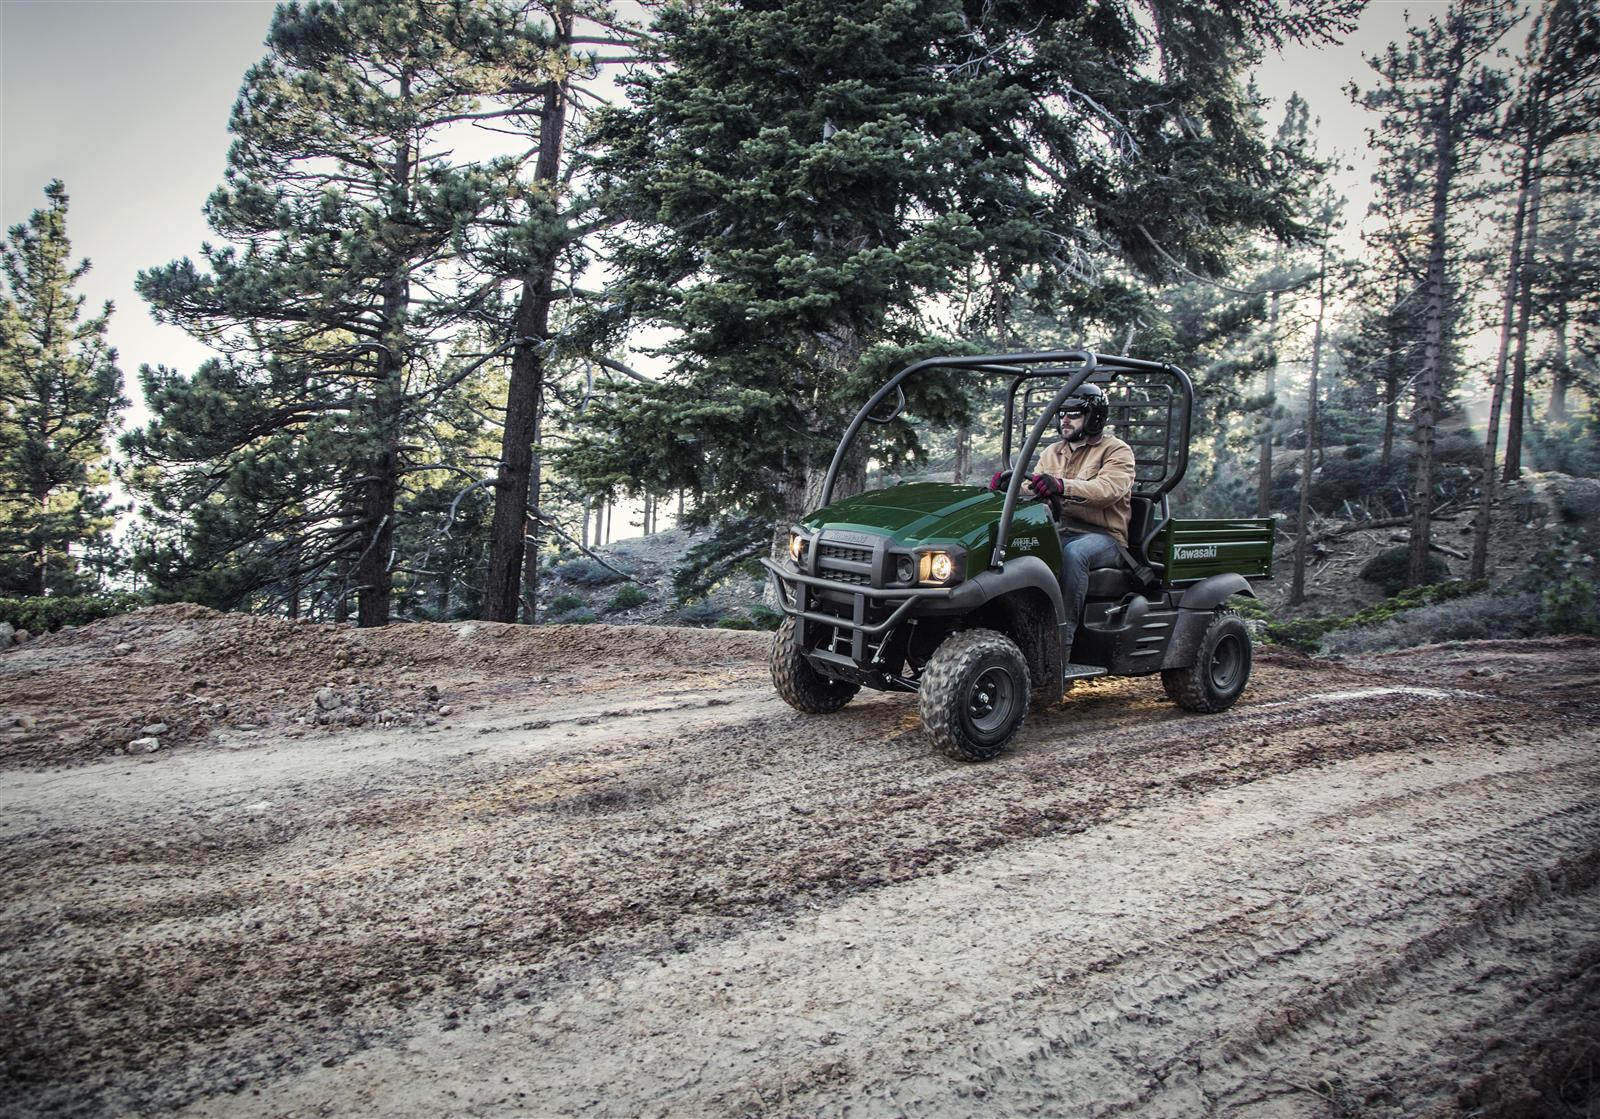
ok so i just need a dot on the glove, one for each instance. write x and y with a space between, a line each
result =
999 480
1046 485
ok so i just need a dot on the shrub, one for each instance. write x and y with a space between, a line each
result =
1475 617
1307 634
576 618
764 617
627 597
586 573
1569 601
561 603
1389 567
736 621
46 615
699 614
1571 606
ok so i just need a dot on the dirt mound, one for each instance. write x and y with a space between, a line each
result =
180 674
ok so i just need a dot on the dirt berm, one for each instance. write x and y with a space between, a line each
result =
490 870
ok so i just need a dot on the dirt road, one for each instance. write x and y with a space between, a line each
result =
615 876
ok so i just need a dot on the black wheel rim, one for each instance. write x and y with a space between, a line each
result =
990 702
1227 663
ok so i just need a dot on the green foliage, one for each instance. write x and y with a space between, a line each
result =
1563 576
1389 567
577 618
586 573
764 617
1482 616
46 615
60 391
281 470
1307 633
700 614
561 603
758 618
627 597
797 180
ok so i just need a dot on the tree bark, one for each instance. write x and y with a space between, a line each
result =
524 396
1434 341
380 487
1297 587
1391 385
1491 440
1519 365
1264 460
533 531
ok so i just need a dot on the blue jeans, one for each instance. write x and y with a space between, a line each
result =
1081 551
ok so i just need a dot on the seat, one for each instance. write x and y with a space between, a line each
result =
1145 521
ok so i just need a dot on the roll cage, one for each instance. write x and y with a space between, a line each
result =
1151 407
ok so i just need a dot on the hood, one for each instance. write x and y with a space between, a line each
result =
916 513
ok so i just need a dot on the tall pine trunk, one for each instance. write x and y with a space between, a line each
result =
1435 344
533 537
1264 460
1302 542
1491 440
1519 365
1391 384
524 396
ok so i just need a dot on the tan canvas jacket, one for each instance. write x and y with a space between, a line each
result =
1097 482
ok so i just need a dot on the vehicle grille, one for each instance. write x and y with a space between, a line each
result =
845 563
841 552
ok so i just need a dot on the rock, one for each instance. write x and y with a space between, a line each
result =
328 699
445 709
20 636
122 648
155 729
7 632
26 722
144 745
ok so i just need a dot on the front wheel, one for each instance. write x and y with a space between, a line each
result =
1218 675
801 686
974 694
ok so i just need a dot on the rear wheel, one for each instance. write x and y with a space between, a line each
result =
1218 675
801 686
974 694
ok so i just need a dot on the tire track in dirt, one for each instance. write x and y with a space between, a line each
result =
377 894
1150 964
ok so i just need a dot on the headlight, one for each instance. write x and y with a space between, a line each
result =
797 547
936 567
905 569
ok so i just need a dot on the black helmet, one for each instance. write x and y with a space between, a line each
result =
1090 400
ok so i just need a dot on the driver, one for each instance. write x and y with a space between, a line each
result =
1088 480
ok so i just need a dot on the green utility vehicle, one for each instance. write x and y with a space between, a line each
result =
953 592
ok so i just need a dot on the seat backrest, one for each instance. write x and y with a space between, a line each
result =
1145 521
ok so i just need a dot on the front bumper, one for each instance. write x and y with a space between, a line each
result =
873 611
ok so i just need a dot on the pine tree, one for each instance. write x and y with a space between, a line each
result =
1438 102
543 226
341 216
60 391
801 179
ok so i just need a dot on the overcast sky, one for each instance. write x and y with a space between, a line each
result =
127 103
